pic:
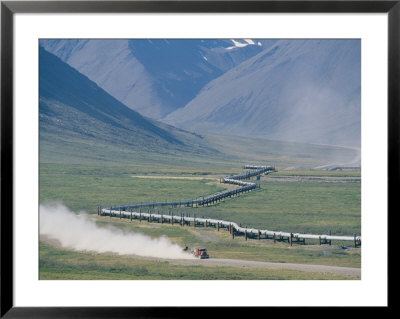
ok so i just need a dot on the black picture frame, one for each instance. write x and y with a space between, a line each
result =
9 8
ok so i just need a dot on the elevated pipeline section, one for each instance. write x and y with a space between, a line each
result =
233 228
127 211
209 200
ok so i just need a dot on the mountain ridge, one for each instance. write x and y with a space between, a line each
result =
153 76
75 112
297 90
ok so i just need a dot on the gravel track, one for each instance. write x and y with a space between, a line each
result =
315 178
219 262
354 273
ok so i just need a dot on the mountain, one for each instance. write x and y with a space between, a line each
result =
77 116
296 90
154 76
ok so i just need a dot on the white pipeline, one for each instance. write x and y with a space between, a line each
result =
212 221
243 186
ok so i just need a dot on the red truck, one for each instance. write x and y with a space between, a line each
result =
201 253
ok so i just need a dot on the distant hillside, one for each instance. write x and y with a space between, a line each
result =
297 90
79 119
154 77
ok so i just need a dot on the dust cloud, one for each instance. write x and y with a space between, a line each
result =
78 232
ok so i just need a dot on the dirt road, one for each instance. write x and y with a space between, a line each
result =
314 178
213 262
220 262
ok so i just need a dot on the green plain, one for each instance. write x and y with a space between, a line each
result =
59 264
85 175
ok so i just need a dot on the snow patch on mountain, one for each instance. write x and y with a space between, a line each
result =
238 44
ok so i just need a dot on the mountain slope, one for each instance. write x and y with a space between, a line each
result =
153 77
75 113
297 90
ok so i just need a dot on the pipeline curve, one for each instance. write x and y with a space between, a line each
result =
244 186
233 179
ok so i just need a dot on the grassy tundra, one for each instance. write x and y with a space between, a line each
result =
298 206
59 264
294 206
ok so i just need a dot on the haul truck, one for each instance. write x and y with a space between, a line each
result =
201 253
197 252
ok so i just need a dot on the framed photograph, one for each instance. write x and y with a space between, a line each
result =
160 155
